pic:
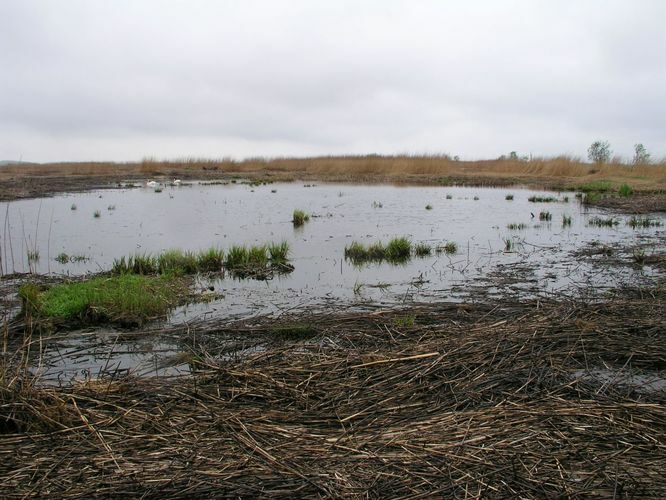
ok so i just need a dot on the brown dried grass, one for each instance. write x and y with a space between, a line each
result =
477 401
430 168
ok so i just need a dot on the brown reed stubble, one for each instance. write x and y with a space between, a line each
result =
469 401
561 170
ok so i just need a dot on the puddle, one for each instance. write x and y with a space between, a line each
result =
544 259
641 382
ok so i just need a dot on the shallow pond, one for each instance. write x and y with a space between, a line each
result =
198 216
544 257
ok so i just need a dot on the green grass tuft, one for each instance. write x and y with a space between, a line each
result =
278 252
642 222
449 247
542 199
595 186
127 299
210 261
398 249
566 220
299 218
601 222
422 249
625 190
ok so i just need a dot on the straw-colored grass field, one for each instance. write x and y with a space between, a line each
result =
561 171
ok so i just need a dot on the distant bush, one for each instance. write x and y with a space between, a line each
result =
641 156
599 152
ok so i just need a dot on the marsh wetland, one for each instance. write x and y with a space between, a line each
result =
421 244
306 306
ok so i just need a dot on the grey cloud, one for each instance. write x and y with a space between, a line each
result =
475 79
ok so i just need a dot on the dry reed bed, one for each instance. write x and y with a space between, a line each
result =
469 400
553 172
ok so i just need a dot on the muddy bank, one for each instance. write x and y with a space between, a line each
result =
494 399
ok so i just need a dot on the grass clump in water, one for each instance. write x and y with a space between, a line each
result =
428 206
356 252
278 252
449 196
210 261
259 261
175 261
542 199
422 250
509 197
125 299
257 256
299 218
396 250
517 226
62 258
545 216
601 222
449 247
97 214
566 220
135 264
642 222
171 261
33 255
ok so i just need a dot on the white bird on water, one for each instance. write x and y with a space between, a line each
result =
151 184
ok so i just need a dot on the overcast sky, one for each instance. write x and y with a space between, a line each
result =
126 79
